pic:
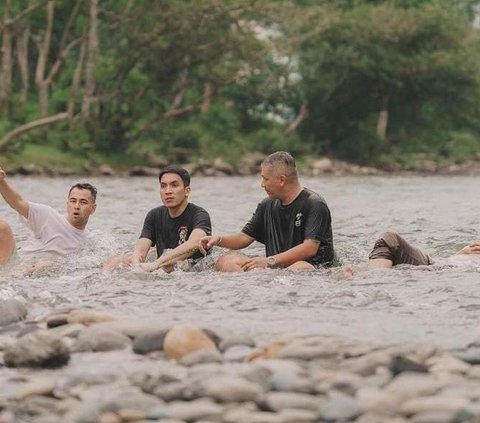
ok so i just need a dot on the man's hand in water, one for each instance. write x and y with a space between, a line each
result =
472 248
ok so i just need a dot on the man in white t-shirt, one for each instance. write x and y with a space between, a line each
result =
53 233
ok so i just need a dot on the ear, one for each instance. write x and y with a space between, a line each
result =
283 179
188 190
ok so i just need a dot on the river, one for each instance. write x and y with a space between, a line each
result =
439 214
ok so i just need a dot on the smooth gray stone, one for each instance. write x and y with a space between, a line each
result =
433 417
298 416
149 341
245 416
95 338
11 311
189 411
236 340
276 401
470 356
237 353
225 388
202 357
38 349
106 399
340 407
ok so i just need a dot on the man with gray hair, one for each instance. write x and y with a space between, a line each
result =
293 223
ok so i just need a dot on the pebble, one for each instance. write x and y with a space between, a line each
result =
11 311
183 340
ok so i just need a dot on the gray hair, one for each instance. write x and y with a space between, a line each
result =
282 162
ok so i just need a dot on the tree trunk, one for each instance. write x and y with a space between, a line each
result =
77 75
6 59
302 114
22 58
382 123
43 50
89 98
207 97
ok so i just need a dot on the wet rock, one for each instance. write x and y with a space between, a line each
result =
269 351
39 349
348 383
402 364
29 328
237 353
470 355
236 340
57 320
368 364
183 340
308 350
11 311
106 170
104 399
100 339
340 407
224 167
285 375
70 330
250 163
276 401
245 416
149 341
224 388
202 357
36 386
189 411
298 416
165 381
109 418
436 404
447 364
88 317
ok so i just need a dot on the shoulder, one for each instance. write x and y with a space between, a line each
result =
313 197
41 209
197 212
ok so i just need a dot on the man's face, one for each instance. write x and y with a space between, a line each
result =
172 190
272 182
80 205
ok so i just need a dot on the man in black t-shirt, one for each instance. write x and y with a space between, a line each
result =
293 223
174 228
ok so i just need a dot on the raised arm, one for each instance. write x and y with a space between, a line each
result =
12 197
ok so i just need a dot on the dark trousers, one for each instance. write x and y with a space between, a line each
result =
393 247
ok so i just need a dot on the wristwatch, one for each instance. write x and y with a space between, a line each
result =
271 262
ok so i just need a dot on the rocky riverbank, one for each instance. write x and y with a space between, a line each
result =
249 164
86 366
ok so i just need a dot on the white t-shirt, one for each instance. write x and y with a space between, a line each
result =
52 233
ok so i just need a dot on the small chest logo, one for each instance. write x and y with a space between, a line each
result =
298 220
182 234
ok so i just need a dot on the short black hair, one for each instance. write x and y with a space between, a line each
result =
90 187
180 171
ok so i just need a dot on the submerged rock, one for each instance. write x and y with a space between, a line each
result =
183 340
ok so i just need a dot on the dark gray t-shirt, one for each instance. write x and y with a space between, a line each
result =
169 232
280 227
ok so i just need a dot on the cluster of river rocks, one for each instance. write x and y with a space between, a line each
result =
249 164
87 366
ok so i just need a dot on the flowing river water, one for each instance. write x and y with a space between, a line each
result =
438 304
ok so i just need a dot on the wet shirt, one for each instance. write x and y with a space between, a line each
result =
52 233
167 232
281 227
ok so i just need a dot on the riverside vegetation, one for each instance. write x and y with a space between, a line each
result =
388 84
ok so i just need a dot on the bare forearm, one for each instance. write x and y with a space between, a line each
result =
301 252
234 241
182 252
141 250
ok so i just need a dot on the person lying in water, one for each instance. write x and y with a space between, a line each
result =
174 228
391 250
53 233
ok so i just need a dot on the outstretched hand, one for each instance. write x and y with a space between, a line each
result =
255 263
207 242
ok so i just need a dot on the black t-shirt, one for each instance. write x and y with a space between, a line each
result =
280 227
169 232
